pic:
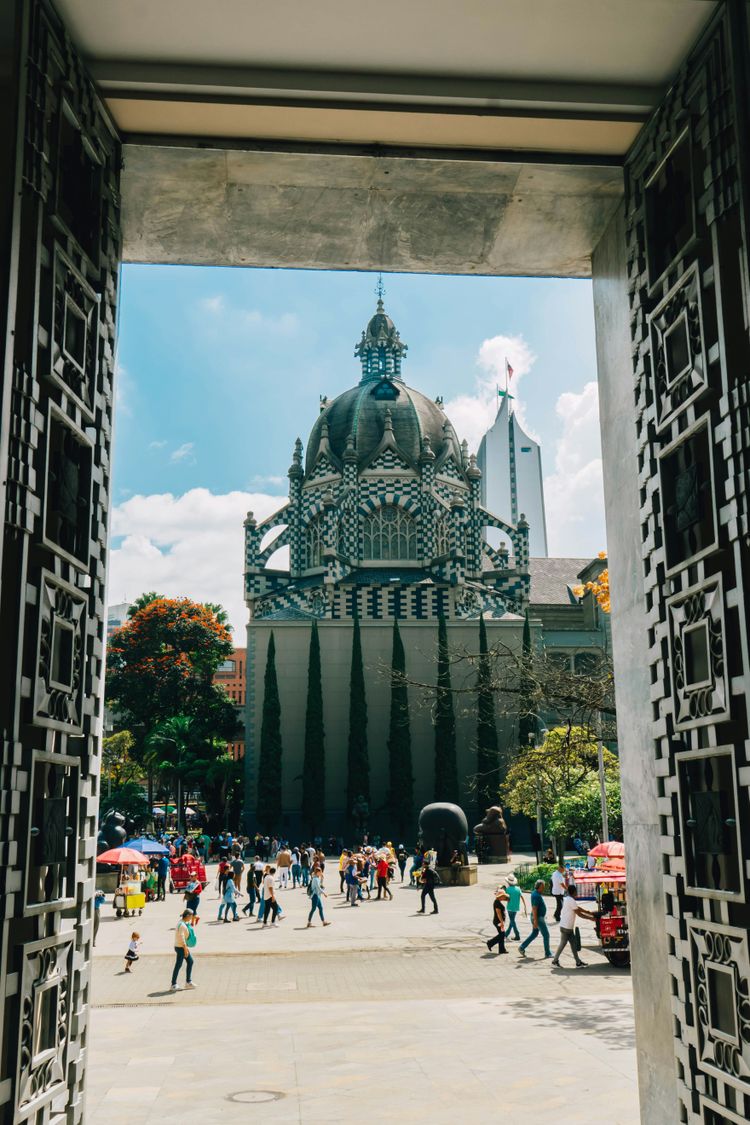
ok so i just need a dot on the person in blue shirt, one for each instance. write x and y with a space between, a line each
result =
162 871
512 906
538 911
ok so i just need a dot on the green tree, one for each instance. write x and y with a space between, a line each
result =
400 801
129 799
269 762
580 812
358 760
446 767
527 718
314 766
118 766
143 601
161 663
553 772
487 746
173 750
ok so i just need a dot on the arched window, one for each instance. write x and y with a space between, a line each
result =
314 543
442 537
389 534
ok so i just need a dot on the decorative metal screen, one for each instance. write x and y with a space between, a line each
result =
59 338
687 209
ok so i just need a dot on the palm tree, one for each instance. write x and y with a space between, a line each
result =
171 750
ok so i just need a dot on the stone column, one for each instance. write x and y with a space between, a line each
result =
647 921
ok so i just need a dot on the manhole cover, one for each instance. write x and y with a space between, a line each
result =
252 1097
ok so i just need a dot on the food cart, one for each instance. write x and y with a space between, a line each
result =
610 889
129 898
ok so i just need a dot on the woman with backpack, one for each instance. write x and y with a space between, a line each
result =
184 942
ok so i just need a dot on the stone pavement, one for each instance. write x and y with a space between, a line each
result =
386 1015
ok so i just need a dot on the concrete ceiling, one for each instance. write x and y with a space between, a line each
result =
484 136
548 75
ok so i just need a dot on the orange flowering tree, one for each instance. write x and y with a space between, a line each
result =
161 663
599 587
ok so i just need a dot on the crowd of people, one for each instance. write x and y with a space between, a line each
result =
251 873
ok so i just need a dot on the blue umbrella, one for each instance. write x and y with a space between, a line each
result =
148 847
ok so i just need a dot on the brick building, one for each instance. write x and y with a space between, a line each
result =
231 676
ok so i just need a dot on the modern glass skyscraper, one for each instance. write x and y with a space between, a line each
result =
512 485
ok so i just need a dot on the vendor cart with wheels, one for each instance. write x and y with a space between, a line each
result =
128 905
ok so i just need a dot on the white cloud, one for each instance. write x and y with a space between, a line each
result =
472 415
259 479
574 493
156 444
123 391
238 318
190 545
183 452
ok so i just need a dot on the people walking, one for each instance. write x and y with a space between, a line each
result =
99 899
515 900
270 905
383 874
539 926
498 921
401 858
284 866
251 887
304 860
162 871
296 868
132 954
317 894
351 881
229 901
570 911
192 898
559 884
184 942
430 880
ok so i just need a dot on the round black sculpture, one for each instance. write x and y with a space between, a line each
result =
444 827
112 832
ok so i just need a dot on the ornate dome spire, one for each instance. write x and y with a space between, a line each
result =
381 349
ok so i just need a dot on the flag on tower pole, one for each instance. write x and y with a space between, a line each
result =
508 369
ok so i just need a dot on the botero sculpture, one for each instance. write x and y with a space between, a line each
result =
444 827
492 837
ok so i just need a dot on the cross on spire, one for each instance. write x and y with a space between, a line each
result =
380 289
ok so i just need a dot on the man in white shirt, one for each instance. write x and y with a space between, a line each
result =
271 906
570 911
559 884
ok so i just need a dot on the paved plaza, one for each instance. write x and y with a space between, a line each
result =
386 1015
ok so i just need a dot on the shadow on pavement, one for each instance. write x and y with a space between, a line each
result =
591 1016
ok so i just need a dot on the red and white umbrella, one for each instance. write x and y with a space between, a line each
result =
123 856
608 850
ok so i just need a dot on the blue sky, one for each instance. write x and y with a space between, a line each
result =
221 369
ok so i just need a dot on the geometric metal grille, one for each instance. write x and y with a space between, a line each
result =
57 339
686 209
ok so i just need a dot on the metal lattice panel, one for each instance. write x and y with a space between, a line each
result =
687 258
59 357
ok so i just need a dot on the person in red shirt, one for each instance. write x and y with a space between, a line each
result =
383 872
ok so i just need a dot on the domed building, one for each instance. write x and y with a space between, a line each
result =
384 516
384 524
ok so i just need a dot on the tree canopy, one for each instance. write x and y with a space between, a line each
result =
161 663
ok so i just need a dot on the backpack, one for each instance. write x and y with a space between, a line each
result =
191 938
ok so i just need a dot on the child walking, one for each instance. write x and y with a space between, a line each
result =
132 953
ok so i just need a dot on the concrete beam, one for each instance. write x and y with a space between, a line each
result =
324 210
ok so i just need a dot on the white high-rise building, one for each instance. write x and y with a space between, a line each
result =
512 485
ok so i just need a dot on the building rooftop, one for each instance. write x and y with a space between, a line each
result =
551 580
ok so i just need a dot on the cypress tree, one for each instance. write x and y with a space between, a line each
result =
314 766
358 761
446 768
487 747
527 724
269 763
401 781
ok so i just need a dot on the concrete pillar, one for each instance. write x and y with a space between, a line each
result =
651 993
